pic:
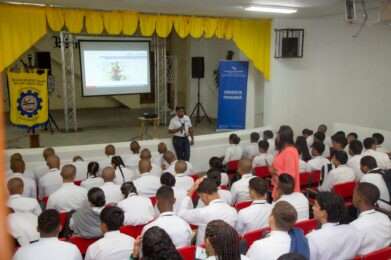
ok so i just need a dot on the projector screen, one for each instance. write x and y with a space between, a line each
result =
114 67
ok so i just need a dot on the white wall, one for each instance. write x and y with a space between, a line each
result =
340 78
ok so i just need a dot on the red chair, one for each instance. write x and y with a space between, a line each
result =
232 166
82 243
309 179
307 225
187 252
44 200
77 183
381 254
224 187
242 205
195 177
193 227
63 218
252 236
133 231
153 200
345 190
262 171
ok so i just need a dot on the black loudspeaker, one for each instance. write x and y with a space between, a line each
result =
197 67
43 60
290 47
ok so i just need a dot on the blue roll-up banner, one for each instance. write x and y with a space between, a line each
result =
232 95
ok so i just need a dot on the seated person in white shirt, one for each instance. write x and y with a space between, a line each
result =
374 225
234 152
122 174
93 180
22 226
146 155
49 247
285 192
182 180
352 136
215 207
379 140
85 222
148 183
269 137
109 153
168 179
219 237
17 202
159 161
131 161
81 168
112 191
302 148
320 137
171 160
257 214
334 240
69 196
355 150
251 149
239 189
114 245
27 173
308 135
51 181
264 158
138 210
340 174
318 160
18 171
178 229
374 175
225 195
43 169
216 163
382 159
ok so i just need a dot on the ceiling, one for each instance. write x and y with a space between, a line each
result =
231 8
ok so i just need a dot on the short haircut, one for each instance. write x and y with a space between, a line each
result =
292 256
48 221
215 175
207 186
96 197
307 131
369 162
320 136
340 133
379 138
258 185
113 217
165 193
177 108
285 215
92 168
216 163
286 183
254 137
341 156
340 139
369 142
167 179
369 192
333 204
356 147
268 134
264 145
128 188
234 138
318 146
355 135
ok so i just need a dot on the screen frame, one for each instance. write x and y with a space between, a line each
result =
112 39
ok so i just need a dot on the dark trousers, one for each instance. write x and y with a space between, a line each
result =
182 147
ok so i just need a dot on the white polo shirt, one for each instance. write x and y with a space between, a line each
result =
125 176
147 184
81 170
171 168
177 122
299 202
339 175
92 182
24 204
250 151
67 198
182 181
317 163
225 195
131 160
263 159
112 192
304 167
253 217
138 210
23 227
29 185
382 159
240 189
377 180
233 153
49 183
271 247
355 163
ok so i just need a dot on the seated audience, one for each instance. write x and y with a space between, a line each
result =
318 160
17 202
251 150
27 173
239 189
170 158
225 195
69 196
382 159
322 128
374 175
352 137
269 137
333 240
216 163
93 180
114 245
379 140
340 174
131 161
138 210
111 190
22 226
85 222
81 168
18 171
182 181
51 181
234 152
159 161
222 241
49 247
148 183
168 179
338 142
178 229
257 214
109 153
264 158
355 150
302 148
374 226
285 192
146 155
308 135
43 169
122 174
215 207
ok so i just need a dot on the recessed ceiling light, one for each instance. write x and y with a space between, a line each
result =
23 3
271 9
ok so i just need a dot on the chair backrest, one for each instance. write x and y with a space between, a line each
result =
45 201
188 252
64 218
309 179
262 171
82 243
77 183
345 190
381 254
232 166
195 177
242 205
153 200
307 225
133 231
252 236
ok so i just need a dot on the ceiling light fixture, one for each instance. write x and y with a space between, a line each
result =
23 3
271 9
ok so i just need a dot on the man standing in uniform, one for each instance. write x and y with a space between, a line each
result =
181 128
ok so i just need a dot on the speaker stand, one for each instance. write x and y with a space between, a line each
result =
198 108
51 122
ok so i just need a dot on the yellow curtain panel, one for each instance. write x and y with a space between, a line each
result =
21 27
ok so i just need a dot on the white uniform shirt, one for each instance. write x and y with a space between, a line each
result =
233 153
178 229
23 227
179 196
299 202
147 184
382 159
105 162
48 249
171 168
29 185
92 182
131 161
81 170
382 149
127 175
304 167
182 181
177 122
242 257
240 189
339 175
250 151
272 145
68 197
224 179
138 210
377 180
277 243
40 171
225 195
254 216
27 174
354 163
112 192
49 183
217 209
263 159
375 227
24 204
333 242
114 246
316 163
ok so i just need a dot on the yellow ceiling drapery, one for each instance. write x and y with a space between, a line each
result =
21 27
